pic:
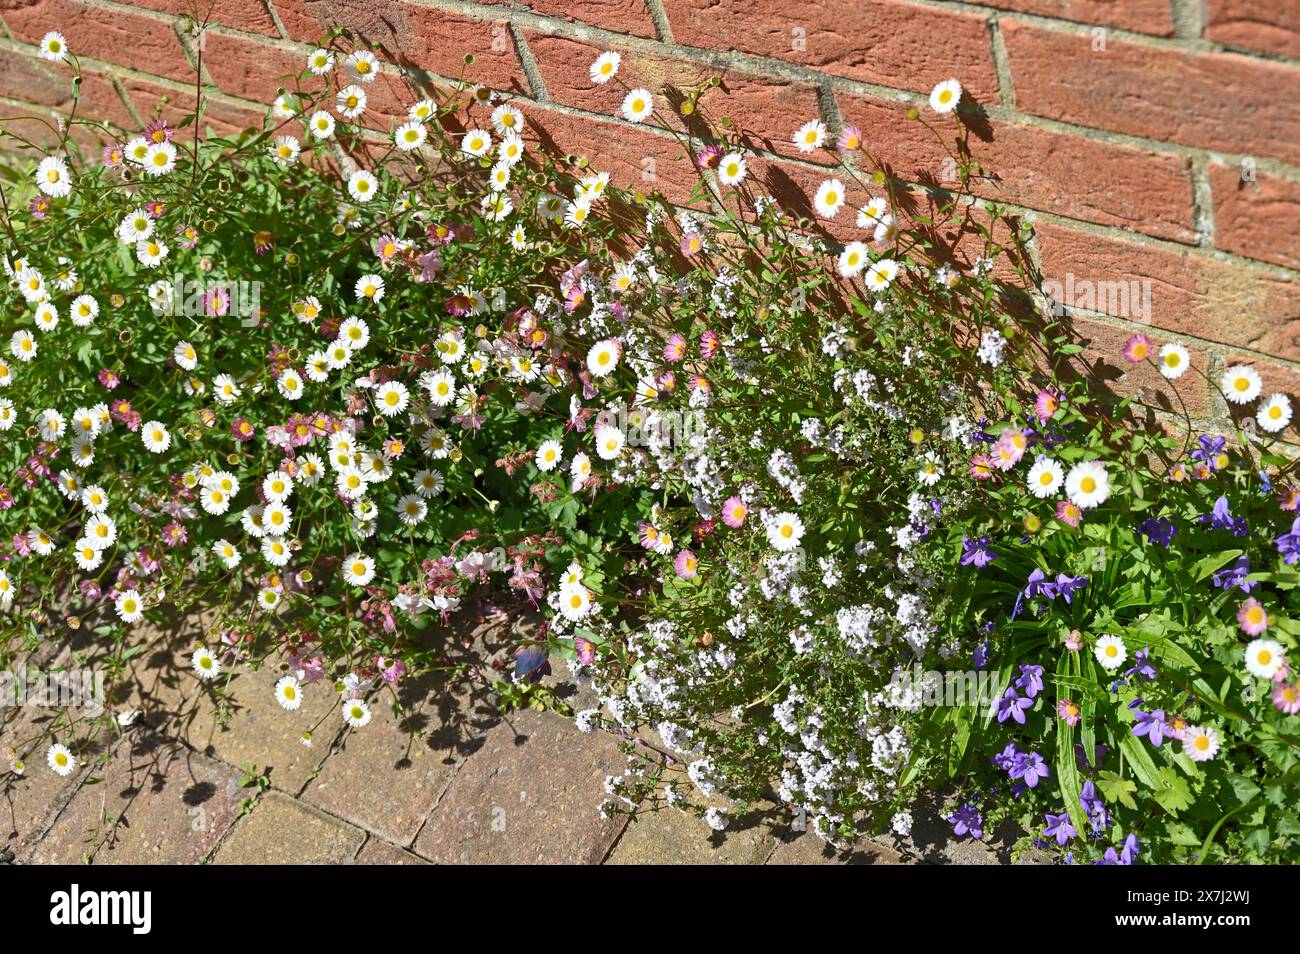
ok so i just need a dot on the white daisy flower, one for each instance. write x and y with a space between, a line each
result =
1274 413
275 551
129 606
226 553
155 437
1241 384
880 275
945 96
548 455
603 357
1087 484
288 692
205 664
350 102
1264 657
1200 743
410 136
411 509
362 186
150 253
605 68
1174 360
160 159
358 569
811 135
829 198
320 61
507 120
321 125
784 531
356 713
609 442
1110 652
53 177
637 105
1045 478
428 483
285 150
60 759
362 66
853 259
392 398
54 47
731 169
83 310
289 384
575 601
476 142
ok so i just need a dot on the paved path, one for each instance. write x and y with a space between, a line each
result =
449 780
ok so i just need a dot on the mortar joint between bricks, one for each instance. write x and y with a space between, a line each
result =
528 63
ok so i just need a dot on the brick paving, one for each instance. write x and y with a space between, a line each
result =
447 780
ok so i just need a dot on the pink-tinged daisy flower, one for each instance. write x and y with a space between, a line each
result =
1289 498
114 155
39 207
1074 641
1252 617
1068 513
849 139
188 235
386 247
675 348
1137 348
155 208
710 344
174 535
216 302
459 305
1286 697
647 534
1178 473
158 132
1069 711
692 243
667 380
981 467
686 565
708 157
243 430
585 649
109 379
734 511
1046 404
1202 471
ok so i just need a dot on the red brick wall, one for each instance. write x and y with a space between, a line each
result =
1149 140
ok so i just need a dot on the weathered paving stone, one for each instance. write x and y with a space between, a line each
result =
387 776
379 852
673 837
257 731
30 802
528 796
282 831
805 848
156 803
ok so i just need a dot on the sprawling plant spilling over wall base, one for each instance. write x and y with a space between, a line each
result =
772 479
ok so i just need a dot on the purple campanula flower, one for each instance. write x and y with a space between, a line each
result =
1066 586
1031 680
1221 518
1209 450
976 552
1129 852
1059 827
1007 757
1234 574
1158 530
1150 724
1012 705
966 821
1289 543
1030 768
980 657
1143 666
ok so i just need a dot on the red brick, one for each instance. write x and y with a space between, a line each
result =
637 160
1140 16
251 69
1212 100
115 36
1055 172
621 16
417 36
224 117
1191 294
248 15
50 86
1269 25
877 41
766 110
1256 218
